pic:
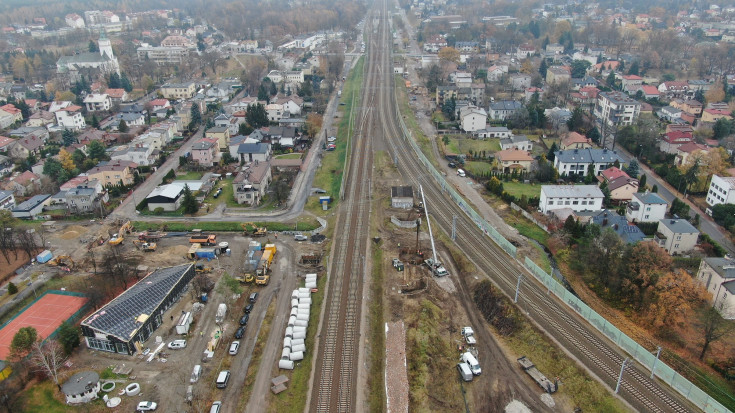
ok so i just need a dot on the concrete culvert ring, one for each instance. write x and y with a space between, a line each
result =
108 386
132 389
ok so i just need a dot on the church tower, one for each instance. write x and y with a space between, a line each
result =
105 45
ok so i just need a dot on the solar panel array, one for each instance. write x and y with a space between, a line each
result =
118 317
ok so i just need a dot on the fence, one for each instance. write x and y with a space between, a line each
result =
456 198
529 216
403 224
691 392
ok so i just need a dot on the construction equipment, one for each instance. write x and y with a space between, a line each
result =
192 254
119 237
145 246
206 240
151 235
62 261
246 278
201 268
251 229
116 239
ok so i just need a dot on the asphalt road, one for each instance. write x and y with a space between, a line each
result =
668 193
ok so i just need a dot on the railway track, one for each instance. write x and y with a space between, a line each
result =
574 334
335 375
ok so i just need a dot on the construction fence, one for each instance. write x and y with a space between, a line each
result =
641 354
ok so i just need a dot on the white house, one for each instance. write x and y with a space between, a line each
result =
676 236
575 197
718 277
646 207
519 142
472 118
70 118
721 190
578 161
494 132
97 102
275 112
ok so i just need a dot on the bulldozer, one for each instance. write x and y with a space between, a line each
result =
145 246
251 229
62 261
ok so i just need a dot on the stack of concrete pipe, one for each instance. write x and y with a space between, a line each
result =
294 345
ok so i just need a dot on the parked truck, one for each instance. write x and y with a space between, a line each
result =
436 267
221 312
206 240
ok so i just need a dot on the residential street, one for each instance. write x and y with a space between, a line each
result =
668 193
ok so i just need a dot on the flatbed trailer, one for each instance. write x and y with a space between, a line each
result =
543 382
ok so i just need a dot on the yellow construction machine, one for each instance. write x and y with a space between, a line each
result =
253 230
118 238
62 261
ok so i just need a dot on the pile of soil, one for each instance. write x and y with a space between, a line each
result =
73 232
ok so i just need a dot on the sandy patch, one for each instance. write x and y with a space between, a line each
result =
73 232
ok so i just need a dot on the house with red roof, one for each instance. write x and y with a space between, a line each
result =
670 141
25 146
117 95
711 115
22 184
574 140
5 143
683 152
158 104
14 112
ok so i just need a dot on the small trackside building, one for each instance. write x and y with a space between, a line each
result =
575 197
126 322
401 197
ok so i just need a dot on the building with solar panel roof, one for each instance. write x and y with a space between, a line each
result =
126 322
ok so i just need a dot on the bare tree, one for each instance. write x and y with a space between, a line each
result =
48 358
714 327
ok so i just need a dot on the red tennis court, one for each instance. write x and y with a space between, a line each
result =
45 315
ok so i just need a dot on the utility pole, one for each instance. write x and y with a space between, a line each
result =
625 364
653 368
518 288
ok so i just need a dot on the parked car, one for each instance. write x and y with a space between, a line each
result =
248 308
253 298
240 332
177 344
244 319
300 237
216 407
234 347
147 406
331 139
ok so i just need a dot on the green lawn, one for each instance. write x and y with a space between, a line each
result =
519 189
289 156
329 175
409 118
477 168
465 145
40 398
190 176
226 196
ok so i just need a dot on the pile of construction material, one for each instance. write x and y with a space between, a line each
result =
294 345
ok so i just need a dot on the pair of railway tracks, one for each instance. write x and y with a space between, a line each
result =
335 376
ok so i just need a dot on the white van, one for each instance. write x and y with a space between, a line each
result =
196 373
224 377
460 172
464 371
216 407
471 361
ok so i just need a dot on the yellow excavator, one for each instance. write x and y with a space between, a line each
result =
253 230
62 261
118 238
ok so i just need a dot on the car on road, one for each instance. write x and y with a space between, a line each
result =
234 347
240 332
147 406
244 319
248 308
300 237
177 344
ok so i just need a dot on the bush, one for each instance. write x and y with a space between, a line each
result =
12 288
158 210
493 307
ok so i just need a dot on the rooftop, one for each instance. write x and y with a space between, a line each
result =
401 192
723 266
679 226
121 317
649 198
31 203
572 191
587 155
